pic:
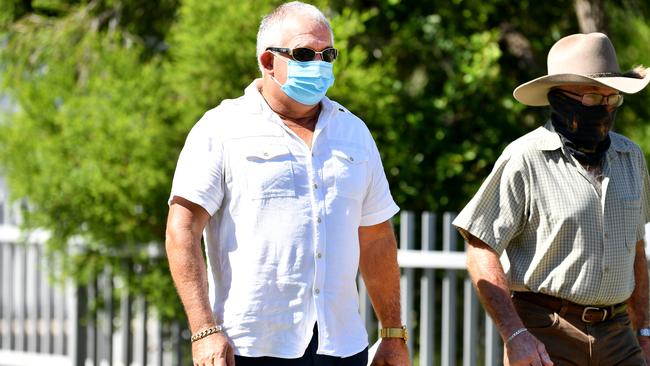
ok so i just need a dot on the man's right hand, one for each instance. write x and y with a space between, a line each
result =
525 350
213 350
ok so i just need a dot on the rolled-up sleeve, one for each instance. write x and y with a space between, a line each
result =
199 172
496 214
378 204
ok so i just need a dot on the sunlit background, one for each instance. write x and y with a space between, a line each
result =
96 98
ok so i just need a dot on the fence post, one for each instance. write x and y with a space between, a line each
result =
126 315
59 320
77 305
32 277
177 339
407 241
470 325
6 342
104 325
19 298
140 334
448 295
365 308
45 294
427 294
492 343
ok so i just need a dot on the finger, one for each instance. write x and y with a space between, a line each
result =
546 359
230 357
543 355
218 361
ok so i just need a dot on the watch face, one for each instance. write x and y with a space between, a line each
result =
644 332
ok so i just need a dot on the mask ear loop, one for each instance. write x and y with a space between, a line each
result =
281 58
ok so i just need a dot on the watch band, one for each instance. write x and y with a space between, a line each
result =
394 333
644 332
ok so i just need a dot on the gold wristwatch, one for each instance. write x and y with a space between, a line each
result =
394 333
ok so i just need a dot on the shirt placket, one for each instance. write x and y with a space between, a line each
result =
609 246
318 206
314 168
318 212
602 263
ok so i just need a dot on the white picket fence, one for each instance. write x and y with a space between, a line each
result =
42 323
439 304
46 324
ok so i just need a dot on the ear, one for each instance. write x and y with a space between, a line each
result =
266 60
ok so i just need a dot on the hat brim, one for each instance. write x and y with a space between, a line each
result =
533 93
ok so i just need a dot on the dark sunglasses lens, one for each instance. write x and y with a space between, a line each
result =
329 54
303 54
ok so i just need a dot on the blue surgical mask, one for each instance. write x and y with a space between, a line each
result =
307 81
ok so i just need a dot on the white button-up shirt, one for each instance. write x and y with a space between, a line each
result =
282 241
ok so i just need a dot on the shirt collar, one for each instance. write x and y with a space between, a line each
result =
550 140
256 104
253 98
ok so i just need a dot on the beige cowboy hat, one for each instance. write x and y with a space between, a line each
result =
581 59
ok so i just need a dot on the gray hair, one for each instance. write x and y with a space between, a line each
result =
272 25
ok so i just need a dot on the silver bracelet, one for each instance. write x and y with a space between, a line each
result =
516 333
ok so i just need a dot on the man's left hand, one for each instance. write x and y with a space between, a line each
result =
391 352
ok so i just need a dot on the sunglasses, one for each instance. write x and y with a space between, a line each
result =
593 99
303 54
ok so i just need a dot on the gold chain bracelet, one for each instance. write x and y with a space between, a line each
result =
206 332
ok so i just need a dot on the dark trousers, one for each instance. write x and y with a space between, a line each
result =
310 358
571 342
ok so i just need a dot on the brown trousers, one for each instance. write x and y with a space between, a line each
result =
570 341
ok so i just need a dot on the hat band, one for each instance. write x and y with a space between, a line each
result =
604 74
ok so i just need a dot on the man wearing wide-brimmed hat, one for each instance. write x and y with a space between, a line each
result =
568 203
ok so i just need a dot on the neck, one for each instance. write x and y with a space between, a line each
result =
287 108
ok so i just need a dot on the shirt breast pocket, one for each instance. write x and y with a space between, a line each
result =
632 219
269 172
350 171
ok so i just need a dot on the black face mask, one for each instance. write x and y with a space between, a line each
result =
583 130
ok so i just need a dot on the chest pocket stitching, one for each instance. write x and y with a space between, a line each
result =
350 155
268 152
269 172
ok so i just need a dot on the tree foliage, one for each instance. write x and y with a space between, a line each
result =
106 91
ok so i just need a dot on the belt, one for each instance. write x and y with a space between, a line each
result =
588 314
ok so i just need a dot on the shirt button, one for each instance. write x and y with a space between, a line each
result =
266 154
351 158
606 236
319 220
606 269
317 291
315 186
319 255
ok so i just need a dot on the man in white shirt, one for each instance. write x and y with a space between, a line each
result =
288 191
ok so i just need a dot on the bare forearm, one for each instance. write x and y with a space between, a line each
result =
638 302
380 272
492 286
188 268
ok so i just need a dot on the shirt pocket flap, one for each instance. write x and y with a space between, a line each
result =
267 152
351 155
